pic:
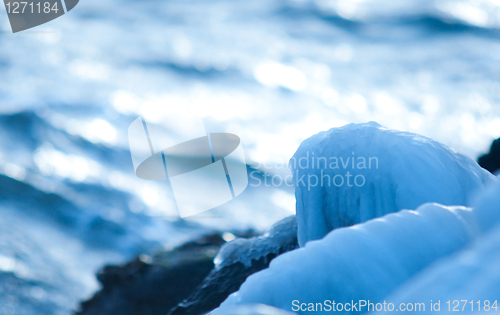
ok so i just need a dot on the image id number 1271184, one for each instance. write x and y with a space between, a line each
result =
31 7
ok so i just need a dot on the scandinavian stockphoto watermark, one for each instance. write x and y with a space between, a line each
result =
205 169
25 14
311 171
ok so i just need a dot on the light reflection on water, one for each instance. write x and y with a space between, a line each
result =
272 72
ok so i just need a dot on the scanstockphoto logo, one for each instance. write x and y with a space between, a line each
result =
205 170
27 14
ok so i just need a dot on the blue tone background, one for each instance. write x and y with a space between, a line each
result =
272 72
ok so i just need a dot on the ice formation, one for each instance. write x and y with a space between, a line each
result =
365 261
281 237
471 275
255 309
357 172
487 207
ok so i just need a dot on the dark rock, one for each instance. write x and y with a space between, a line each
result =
238 260
153 285
185 280
491 160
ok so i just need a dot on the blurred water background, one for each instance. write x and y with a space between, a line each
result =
273 72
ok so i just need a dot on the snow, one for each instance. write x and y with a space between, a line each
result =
357 172
365 261
472 274
280 237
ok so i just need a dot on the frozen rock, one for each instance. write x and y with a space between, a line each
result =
470 275
362 262
236 261
256 309
357 172
281 237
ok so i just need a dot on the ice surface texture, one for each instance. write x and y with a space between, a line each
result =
472 275
254 309
366 261
281 237
398 170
